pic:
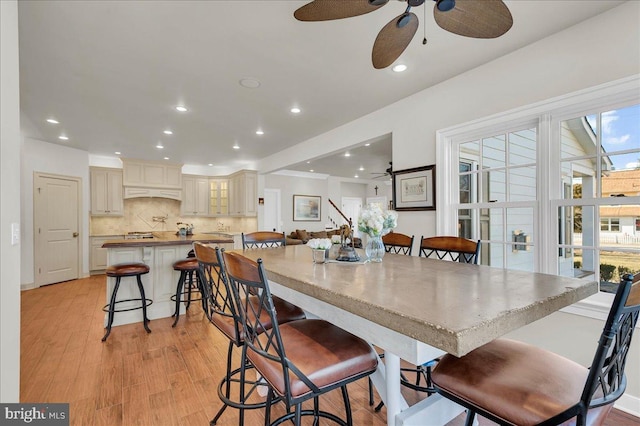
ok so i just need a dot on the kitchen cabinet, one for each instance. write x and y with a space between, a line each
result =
195 196
148 174
106 191
97 254
243 194
219 197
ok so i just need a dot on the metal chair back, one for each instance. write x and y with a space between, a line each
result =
450 248
395 242
263 239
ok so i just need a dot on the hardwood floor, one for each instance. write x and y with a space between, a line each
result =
167 377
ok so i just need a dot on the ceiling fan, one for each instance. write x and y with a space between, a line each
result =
387 172
469 18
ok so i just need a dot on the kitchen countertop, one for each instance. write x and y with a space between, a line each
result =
169 238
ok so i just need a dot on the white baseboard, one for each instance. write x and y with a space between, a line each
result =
27 286
629 404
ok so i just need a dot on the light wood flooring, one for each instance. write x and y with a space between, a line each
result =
168 377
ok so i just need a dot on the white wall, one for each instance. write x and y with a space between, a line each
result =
9 203
599 50
290 185
38 156
576 58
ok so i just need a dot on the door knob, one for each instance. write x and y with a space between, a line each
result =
75 234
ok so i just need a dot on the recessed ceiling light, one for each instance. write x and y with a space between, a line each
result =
399 68
259 132
249 83
356 176
236 146
347 154
168 132
295 110
367 144
63 137
52 121
117 153
311 170
159 146
181 108
361 168
308 162
166 158
210 164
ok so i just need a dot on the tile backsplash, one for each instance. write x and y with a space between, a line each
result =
162 214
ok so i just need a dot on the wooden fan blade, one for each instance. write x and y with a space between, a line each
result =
326 10
392 41
477 19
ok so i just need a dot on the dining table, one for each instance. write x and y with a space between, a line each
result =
416 309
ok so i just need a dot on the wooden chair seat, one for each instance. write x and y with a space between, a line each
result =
322 352
514 383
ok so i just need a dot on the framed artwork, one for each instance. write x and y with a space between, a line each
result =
306 207
415 189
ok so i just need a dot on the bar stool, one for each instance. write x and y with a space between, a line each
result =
187 268
119 270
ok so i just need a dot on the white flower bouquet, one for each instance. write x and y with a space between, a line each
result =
375 222
319 243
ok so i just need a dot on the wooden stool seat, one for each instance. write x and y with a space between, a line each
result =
190 264
186 284
127 269
117 271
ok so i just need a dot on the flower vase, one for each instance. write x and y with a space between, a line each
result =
182 232
374 249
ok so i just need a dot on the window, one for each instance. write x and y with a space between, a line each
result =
553 187
610 224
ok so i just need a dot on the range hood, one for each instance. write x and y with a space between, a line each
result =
142 192
143 179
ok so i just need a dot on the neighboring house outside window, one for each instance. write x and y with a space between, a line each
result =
555 192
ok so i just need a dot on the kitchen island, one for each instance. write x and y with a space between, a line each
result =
159 252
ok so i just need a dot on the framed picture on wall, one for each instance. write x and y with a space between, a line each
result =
306 207
415 189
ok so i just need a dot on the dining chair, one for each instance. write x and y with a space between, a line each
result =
456 249
395 242
300 360
514 383
217 302
263 239
449 248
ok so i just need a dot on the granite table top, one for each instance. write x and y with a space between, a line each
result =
168 238
452 306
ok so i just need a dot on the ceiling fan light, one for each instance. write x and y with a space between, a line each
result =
445 5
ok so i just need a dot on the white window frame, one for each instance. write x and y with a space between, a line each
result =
546 114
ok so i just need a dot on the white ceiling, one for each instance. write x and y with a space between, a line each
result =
112 72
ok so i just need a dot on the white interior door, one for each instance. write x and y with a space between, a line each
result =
56 228
351 208
272 213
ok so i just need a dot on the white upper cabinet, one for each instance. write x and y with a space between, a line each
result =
147 174
219 197
243 190
195 196
106 192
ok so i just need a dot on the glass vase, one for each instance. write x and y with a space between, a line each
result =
374 249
